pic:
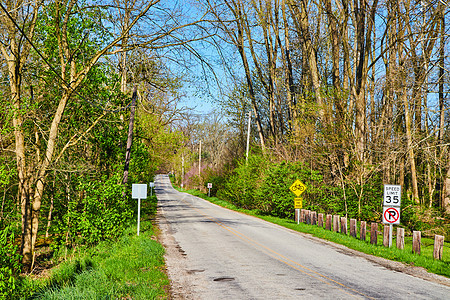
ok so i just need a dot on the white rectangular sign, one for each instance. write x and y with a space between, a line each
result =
152 184
391 215
138 191
392 195
209 185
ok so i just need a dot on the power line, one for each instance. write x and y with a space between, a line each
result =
53 69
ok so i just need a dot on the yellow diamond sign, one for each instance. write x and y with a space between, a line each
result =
297 188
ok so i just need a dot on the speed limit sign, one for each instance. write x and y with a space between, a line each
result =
392 195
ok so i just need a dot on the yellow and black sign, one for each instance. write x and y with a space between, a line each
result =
298 203
297 188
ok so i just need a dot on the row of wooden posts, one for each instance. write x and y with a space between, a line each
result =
339 224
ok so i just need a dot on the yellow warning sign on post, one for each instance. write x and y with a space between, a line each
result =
298 203
297 188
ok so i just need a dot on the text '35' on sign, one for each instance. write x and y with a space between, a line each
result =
392 195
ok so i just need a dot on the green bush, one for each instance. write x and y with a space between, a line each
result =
275 196
241 187
129 267
9 265
364 202
264 185
101 212
218 181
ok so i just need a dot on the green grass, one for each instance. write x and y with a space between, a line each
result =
425 259
131 267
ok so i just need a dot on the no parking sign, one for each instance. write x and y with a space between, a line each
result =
391 215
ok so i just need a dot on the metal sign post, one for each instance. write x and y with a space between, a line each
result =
139 216
391 207
298 204
139 191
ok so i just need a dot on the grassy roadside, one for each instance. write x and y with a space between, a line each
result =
425 260
131 267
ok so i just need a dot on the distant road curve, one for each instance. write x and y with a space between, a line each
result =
215 253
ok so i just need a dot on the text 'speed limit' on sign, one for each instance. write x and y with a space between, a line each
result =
392 195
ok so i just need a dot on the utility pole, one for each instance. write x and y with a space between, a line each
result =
182 170
200 159
248 135
130 139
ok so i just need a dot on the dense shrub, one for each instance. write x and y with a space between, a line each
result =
264 185
9 265
100 212
218 181
242 186
278 200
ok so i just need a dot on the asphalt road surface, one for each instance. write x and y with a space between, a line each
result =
215 253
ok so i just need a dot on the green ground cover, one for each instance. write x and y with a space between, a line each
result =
131 267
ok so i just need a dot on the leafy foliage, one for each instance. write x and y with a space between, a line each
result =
130 266
9 265
277 197
101 213
247 178
264 185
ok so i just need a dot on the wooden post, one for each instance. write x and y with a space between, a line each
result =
328 223
320 220
363 230
344 225
416 242
129 140
438 246
313 218
302 215
308 217
336 223
353 227
200 160
400 238
386 236
373 233
297 215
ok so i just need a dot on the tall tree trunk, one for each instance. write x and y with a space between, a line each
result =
334 36
129 139
359 91
271 62
25 186
240 22
446 198
441 148
441 77
301 22
50 211
386 123
15 49
410 149
290 90
346 70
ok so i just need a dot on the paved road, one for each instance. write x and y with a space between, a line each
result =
227 255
